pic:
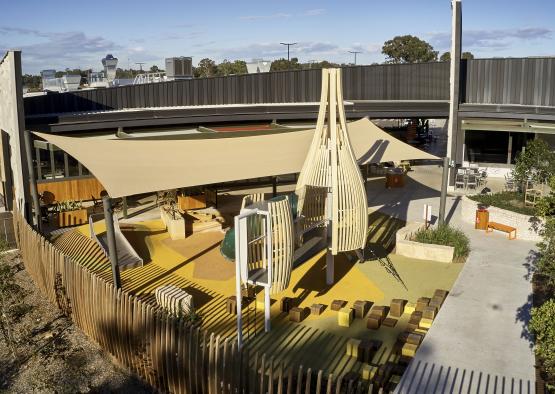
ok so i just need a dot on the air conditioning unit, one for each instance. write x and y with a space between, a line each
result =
179 68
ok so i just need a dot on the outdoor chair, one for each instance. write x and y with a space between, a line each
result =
460 181
472 182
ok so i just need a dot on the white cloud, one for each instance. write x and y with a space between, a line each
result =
494 39
71 49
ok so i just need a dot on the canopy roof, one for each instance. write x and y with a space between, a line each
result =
133 166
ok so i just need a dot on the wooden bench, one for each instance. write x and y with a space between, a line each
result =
502 227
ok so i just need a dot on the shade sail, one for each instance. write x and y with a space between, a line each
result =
133 166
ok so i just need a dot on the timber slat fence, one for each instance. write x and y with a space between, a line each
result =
165 352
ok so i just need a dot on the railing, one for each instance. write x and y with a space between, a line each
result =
163 351
149 78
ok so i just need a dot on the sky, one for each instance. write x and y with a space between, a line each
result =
62 34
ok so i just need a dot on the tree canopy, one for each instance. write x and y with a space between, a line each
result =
284 64
408 49
446 56
227 67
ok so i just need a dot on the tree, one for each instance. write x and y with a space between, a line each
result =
227 68
284 64
446 56
155 69
408 49
206 68
536 162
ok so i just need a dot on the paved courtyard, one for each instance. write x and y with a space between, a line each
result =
479 342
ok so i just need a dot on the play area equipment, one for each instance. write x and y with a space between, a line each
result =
127 257
264 246
331 197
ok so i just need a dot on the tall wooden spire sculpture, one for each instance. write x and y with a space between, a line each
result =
330 186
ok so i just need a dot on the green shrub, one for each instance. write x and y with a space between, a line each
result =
542 325
445 235
511 201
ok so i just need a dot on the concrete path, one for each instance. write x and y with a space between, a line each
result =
479 342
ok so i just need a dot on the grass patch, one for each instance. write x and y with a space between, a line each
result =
445 235
511 201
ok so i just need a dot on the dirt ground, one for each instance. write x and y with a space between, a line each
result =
52 355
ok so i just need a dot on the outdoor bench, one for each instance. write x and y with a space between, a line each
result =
502 227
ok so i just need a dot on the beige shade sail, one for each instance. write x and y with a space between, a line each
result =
133 166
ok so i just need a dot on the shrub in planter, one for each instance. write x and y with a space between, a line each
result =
542 325
445 235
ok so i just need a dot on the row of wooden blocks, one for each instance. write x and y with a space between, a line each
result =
174 300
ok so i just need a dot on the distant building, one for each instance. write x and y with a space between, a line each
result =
258 66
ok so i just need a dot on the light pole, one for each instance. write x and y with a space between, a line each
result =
288 45
355 53
140 67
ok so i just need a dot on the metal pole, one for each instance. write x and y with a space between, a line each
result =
443 198
124 206
32 180
111 238
238 284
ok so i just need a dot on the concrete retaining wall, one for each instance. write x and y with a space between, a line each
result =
405 247
522 223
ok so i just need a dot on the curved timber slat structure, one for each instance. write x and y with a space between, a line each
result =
331 166
283 244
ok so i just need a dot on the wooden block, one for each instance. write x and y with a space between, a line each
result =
366 350
416 315
441 293
389 322
296 314
425 323
411 326
353 347
380 311
403 337
409 350
397 307
231 305
368 372
436 302
410 307
361 308
421 331
414 338
345 317
421 303
338 304
285 304
373 322
429 312
317 309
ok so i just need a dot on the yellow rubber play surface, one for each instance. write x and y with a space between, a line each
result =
196 265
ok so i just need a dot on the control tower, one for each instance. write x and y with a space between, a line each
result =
110 63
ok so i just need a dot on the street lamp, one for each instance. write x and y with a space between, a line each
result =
355 53
288 45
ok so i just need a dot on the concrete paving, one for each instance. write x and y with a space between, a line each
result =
479 342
